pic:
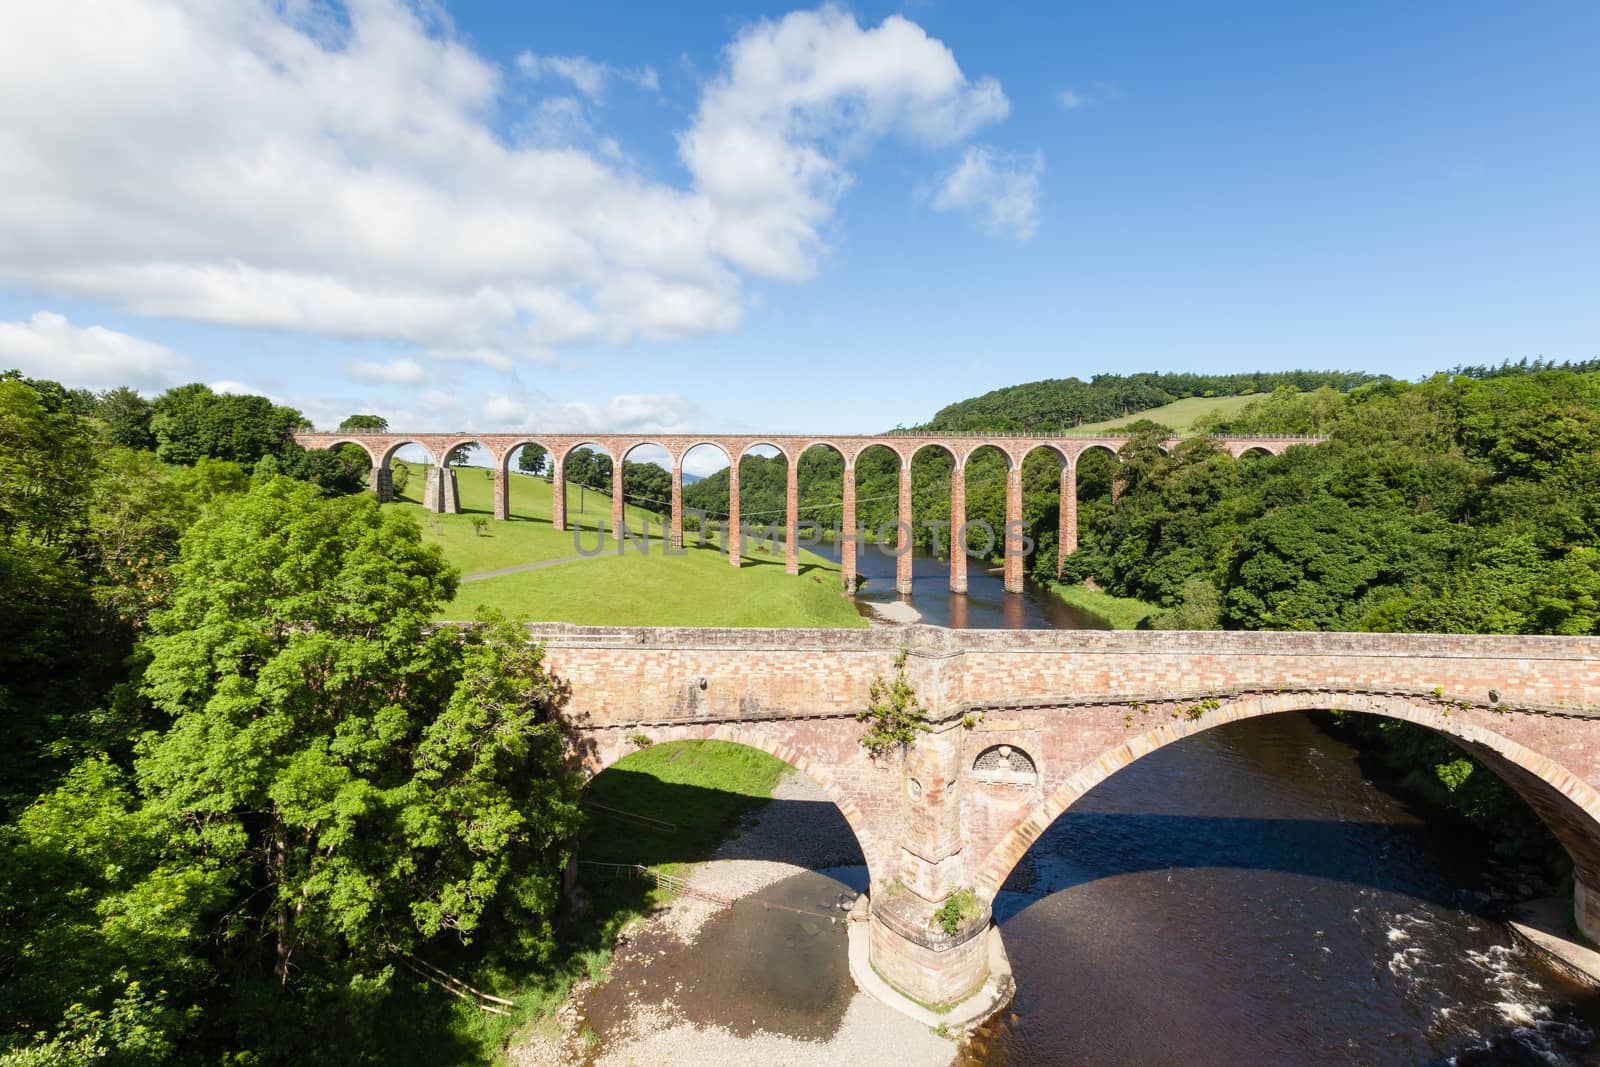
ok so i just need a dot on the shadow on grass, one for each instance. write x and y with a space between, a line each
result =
815 833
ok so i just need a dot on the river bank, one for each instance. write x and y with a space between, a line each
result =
762 979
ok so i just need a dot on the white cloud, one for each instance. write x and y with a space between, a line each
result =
483 355
796 99
1070 99
344 177
1000 189
47 345
531 410
394 372
588 76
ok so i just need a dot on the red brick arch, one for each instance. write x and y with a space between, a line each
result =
396 444
511 447
1566 803
340 442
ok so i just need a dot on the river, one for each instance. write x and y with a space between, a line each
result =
1249 896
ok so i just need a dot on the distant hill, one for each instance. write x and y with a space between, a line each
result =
1070 403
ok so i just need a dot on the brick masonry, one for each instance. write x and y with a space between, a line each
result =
1079 704
1071 708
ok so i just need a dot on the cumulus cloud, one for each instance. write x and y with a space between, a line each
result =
49 346
392 372
797 98
1070 99
344 177
999 189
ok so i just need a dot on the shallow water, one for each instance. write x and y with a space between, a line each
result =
1247 897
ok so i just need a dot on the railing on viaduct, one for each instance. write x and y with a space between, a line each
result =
439 494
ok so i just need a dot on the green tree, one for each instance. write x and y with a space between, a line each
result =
191 421
371 781
532 459
646 485
48 453
365 423
127 416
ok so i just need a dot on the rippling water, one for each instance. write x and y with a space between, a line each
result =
1247 897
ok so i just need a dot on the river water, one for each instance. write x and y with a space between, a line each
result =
1249 896
986 606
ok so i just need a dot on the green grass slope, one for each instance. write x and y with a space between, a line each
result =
1181 415
697 588
701 787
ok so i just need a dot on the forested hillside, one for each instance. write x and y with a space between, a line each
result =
1062 403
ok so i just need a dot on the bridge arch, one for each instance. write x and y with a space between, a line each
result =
397 444
340 442
937 446
495 458
1562 800
746 447
1101 446
602 753
1241 450
517 444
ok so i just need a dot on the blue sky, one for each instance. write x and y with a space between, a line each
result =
785 219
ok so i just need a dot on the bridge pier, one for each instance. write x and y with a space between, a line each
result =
677 505
791 520
735 547
1014 555
1067 534
382 483
502 494
921 956
558 491
439 494
617 514
903 558
848 532
958 525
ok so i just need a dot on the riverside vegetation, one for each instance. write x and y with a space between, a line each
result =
243 801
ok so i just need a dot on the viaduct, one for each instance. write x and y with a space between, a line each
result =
440 492
1022 723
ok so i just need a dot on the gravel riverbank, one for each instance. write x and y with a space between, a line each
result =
650 1012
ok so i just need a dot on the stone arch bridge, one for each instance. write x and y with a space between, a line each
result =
439 494
1025 722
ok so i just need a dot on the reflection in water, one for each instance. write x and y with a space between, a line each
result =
1247 897
986 604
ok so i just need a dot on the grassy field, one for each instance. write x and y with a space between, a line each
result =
697 588
701 787
528 535
1180 414
1124 613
